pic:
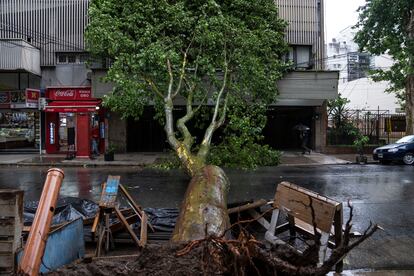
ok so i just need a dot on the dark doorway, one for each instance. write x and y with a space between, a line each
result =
279 132
145 134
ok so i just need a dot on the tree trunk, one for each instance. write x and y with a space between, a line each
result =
409 83
204 208
409 104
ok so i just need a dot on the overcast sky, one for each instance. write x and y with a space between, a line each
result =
339 15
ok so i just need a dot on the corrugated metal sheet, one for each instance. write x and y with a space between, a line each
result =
306 25
17 54
64 245
51 25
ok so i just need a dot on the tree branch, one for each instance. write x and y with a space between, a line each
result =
170 85
182 71
223 112
205 144
188 138
154 87
169 123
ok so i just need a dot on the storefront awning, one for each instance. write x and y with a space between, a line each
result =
73 106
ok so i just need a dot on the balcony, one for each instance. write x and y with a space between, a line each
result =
18 55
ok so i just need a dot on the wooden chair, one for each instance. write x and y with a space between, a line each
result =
296 202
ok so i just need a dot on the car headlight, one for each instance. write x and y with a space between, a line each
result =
393 150
375 151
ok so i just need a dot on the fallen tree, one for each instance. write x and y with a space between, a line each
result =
244 255
195 54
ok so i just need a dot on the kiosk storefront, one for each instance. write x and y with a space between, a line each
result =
19 120
73 120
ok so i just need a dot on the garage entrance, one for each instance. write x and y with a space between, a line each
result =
279 132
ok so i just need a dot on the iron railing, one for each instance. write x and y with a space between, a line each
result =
380 126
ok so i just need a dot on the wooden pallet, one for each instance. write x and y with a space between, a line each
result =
11 225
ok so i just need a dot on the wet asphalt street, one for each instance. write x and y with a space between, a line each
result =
381 194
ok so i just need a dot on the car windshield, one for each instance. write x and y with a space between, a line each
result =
406 139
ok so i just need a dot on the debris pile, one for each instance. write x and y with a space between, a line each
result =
216 256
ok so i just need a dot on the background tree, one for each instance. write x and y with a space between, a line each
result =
196 52
387 27
342 131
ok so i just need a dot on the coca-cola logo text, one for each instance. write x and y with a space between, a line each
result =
64 93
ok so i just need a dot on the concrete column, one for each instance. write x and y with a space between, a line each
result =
321 123
117 133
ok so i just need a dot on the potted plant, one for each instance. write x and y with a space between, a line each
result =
109 153
360 142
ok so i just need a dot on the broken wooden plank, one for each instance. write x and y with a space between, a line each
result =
127 226
247 206
144 224
138 209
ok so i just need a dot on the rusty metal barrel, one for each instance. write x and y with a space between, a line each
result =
36 242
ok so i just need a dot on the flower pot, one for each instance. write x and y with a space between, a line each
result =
109 156
361 159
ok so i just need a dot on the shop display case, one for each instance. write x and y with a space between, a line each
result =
18 130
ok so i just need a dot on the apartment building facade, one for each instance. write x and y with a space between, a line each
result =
343 55
303 93
44 45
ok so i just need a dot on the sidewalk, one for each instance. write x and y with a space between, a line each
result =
124 159
289 158
293 158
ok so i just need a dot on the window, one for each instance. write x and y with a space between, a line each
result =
300 55
78 58
62 58
303 55
71 58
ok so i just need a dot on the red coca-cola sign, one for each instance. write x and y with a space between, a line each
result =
68 93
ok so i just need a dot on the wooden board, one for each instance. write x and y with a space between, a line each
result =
110 192
296 201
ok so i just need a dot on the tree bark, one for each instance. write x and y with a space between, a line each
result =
409 84
203 211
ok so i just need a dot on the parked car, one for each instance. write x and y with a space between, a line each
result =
402 150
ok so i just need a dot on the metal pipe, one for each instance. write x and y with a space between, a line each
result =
36 242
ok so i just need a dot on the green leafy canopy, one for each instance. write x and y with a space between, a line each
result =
140 36
384 27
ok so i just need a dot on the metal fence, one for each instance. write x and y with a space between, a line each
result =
380 126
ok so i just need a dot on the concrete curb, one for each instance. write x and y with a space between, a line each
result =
110 164
85 165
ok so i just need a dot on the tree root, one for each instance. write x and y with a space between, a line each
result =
248 256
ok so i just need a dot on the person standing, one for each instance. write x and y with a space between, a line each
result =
95 141
304 138
304 133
